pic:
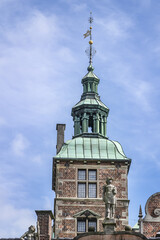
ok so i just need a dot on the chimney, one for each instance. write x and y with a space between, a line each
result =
44 218
60 136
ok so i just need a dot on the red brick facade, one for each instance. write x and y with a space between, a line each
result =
150 228
67 203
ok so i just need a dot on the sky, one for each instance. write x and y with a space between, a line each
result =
42 62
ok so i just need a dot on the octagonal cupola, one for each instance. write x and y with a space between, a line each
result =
90 113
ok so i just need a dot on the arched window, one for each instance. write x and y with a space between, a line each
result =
90 125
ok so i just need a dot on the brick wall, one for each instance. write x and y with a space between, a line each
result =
67 204
66 188
45 223
150 229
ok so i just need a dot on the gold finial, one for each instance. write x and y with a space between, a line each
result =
90 42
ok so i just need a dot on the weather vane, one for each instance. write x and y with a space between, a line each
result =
90 51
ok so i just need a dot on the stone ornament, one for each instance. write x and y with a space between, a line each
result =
109 197
157 211
152 208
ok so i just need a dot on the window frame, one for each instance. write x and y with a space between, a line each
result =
80 170
80 183
92 220
81 220
87 181
92 170
90 190
87 220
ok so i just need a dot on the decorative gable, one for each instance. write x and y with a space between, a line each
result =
86 213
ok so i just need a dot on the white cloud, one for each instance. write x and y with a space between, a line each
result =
19 145
78 7
66 54
36 59
35 30
37 159
125 66
17 220
137 89
116 26
142 92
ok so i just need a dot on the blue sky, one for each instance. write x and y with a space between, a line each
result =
42 62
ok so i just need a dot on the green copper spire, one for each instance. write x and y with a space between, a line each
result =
90 81
90 114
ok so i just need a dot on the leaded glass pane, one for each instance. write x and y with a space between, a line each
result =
92 190
81 226
92 174
92 223
81 174
81 190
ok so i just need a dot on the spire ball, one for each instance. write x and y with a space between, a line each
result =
90 68
90 42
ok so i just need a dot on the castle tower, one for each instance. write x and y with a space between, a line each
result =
83 164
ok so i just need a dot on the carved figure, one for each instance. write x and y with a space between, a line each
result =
30 234
109 192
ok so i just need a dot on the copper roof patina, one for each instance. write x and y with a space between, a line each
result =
90 102
91 148
90 74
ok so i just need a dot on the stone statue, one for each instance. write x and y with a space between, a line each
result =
31 233
109 192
